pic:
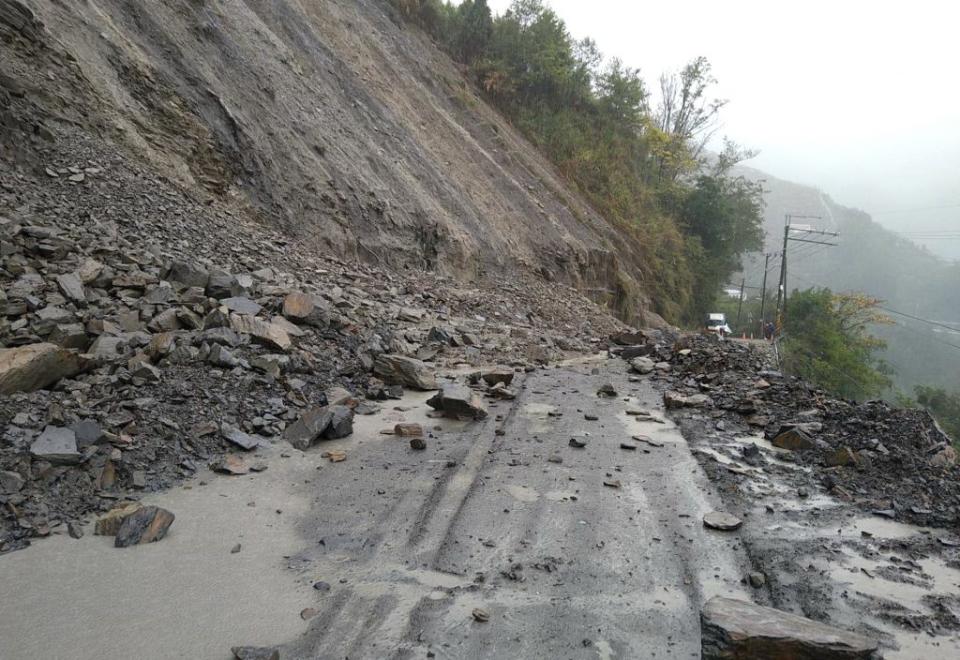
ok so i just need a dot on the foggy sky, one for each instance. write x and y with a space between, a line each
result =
859 99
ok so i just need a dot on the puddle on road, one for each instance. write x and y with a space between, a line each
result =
666 433
366 428
878 528
71 592
560 496
538 415
185 596
859 577
522 493
881 528
934 577
604 650
862 576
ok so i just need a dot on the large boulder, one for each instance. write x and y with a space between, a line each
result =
35 366
341 424
403 370
326 422
629 338
497 376
308 429
794 439
189 275
458 401
737 630
642 365
268 334
306 309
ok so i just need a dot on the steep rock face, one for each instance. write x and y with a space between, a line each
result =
332 119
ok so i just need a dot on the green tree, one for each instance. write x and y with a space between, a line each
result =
944 406
471 31
685 219
827 342
724 215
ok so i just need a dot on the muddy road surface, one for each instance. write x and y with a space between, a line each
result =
500 539
572 552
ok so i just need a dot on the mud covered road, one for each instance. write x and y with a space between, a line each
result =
391 551
564 565
501 539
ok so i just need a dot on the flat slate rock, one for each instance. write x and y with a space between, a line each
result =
255 653
241 305
57 445
731 629
725 522
240 439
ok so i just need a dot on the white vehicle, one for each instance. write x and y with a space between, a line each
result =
717 323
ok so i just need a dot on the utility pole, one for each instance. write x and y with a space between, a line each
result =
743 283
763 295
782 293
782 288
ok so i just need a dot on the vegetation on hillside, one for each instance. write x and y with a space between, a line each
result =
944 406
829 343
642 167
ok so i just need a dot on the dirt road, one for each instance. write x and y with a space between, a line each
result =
393 550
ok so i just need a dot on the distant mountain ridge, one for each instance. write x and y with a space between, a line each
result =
871 259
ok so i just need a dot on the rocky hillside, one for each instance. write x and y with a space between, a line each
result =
217 218
329 121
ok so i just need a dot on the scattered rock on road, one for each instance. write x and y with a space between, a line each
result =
676 400
732 628
725 522
230 464
145 525
642 365
607 390
109 524
335 455
255 653
459 402
408 430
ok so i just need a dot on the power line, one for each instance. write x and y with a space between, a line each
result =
954 328
807 233
903 325
913 210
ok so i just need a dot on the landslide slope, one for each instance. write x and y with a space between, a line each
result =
328 119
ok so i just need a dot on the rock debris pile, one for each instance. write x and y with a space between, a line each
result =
890 461
145 335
